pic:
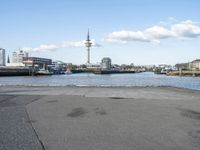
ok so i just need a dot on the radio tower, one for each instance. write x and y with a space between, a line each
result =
88 44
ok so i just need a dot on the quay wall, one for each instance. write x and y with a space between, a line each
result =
16 71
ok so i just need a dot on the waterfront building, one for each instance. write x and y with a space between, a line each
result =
106 63
2 57
116 67
17 57
195 64
164 66
182 66
94 66
37 62
58 64
88 44
58 67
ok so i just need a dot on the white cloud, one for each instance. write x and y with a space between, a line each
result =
185 29
75 44
95 44
157 32
125 36
53 47
41 48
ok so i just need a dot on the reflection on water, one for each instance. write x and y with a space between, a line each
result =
138 79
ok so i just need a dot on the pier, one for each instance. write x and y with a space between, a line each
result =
112 72
190 73
17 71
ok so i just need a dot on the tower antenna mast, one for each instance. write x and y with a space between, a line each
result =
88 44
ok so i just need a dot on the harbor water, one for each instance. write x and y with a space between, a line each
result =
113 80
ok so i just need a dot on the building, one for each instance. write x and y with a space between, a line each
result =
17 56
40 63
182 66
195 64
58 67
2 57
106 63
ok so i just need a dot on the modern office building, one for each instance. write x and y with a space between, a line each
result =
106 63
17 56
2 57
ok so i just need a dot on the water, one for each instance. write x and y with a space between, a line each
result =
128 80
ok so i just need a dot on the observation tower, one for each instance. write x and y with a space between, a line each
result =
88 44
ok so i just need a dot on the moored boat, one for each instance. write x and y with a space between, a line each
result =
43 72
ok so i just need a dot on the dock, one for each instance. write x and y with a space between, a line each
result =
189 73
17 71
112 72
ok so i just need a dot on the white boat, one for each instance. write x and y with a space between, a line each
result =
43 72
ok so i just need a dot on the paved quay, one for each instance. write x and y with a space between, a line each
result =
92 118
16 131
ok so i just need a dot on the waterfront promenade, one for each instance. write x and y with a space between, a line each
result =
92 118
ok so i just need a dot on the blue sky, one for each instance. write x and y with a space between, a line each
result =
128 31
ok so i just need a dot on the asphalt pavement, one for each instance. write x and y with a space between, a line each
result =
91 118
16 131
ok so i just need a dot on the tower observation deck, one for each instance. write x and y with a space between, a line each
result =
88 44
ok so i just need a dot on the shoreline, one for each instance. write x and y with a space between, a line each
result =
142 80
101 87
184 73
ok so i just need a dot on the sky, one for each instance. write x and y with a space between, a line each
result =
143 32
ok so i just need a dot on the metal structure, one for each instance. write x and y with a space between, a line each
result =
88 44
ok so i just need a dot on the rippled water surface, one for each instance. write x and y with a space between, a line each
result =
84 79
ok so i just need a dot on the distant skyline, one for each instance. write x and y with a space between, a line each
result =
128 31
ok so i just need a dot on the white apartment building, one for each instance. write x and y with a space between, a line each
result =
17 56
